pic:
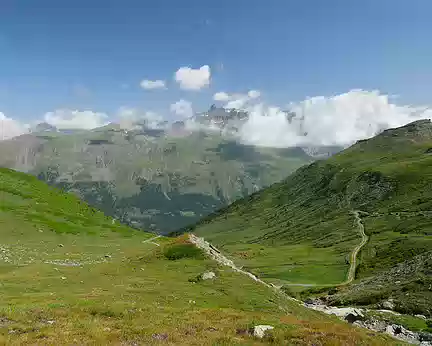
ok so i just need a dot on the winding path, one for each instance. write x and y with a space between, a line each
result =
220 258
354 253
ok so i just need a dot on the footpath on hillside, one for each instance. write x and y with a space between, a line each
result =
220 258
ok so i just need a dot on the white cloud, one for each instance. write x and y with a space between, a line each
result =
130 118
75 119
221 96
152 84
337 120
193 79
254 94
236 100
10 128
182 108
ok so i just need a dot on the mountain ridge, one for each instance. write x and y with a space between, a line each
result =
300 230
186 173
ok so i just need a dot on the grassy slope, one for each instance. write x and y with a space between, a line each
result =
68 275
301 230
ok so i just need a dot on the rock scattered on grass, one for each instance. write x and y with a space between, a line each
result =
388 304
260 330
158 336
208 276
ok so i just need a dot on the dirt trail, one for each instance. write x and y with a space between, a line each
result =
354 253
151 240
218 257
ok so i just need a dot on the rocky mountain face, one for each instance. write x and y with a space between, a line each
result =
157 179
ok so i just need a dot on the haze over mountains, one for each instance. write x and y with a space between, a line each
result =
160 175
154 175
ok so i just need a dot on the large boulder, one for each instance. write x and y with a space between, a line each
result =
260 330
208 276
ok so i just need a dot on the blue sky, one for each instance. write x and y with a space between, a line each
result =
81 54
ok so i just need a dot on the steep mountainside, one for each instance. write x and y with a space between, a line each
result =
152 179
302 232
71 275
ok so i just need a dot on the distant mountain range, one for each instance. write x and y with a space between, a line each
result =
159 178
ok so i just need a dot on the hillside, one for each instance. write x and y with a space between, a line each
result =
301 232
153 179
70 275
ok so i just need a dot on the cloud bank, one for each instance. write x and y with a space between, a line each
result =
238 101
193 79
75 119
131 118
10 128
317 121
182 108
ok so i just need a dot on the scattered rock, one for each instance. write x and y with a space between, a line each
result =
208 276
63 277
50 322
107 329
424 336
211 329
401 333
4 321
393 329
423 317
157 336
192 301
388 304
259 331
107 256
60 245
356 314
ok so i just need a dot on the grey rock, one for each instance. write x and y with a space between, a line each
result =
208 275
157 336
388 304
260 330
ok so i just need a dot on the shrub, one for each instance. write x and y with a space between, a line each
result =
179 251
